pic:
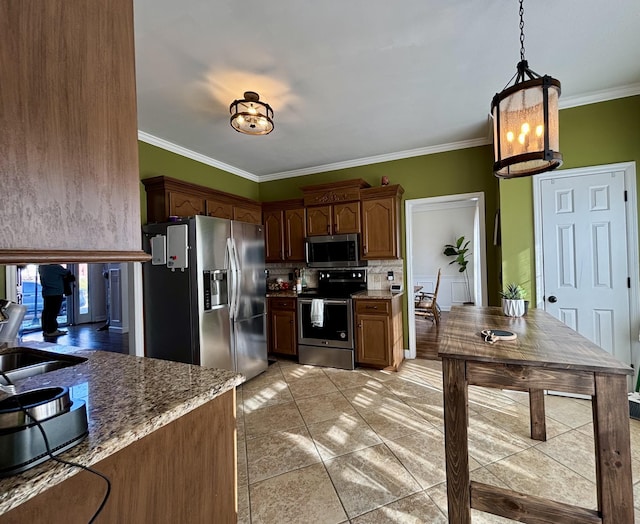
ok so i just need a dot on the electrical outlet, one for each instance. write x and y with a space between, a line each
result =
389 275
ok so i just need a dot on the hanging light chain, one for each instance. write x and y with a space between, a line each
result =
521 31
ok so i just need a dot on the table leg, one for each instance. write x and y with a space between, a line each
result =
536 412
612 449
456 420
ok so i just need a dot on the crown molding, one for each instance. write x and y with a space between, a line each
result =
599 96
564 103
198 157
388 157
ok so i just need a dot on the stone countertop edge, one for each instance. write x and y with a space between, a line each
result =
281 294
127 398
369 293
376 293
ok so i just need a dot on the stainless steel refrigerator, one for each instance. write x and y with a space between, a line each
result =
204 294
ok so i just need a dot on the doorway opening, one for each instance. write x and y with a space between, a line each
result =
430 224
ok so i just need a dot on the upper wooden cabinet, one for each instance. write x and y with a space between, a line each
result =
284 224
334 208
336 219
248 213
69 162
185 205
219 208
380 237
170 197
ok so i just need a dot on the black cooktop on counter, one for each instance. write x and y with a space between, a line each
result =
337 283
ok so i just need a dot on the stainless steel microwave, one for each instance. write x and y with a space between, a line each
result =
333 251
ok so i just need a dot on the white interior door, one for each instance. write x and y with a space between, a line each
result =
584 250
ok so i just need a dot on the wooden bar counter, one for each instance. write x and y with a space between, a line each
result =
546 355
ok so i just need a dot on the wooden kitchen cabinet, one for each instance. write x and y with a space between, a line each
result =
219 208
379 340
334 208
381 222
171 197
248 213
274 235
294 234
285 230
152 478
283 334
185 205
337 219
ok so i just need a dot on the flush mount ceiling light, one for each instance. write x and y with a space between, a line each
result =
250 116
525 122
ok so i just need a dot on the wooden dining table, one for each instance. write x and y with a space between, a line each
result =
546 355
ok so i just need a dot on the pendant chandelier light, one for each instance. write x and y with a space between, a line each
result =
525 122
250 116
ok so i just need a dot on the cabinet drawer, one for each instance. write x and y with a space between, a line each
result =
373 306
282 303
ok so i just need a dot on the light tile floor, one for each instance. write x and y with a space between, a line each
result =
322 445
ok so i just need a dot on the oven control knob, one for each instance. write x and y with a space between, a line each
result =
343 335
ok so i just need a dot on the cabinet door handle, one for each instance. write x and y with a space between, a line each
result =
371 307
365 249
329 228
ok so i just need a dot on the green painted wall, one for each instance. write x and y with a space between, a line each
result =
155 161
452 172
596 134
461 171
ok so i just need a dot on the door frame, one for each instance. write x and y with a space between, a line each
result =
629 171
480 258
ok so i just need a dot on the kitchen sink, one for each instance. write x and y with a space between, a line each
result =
19 363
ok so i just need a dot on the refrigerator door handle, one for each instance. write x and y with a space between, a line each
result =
238 279
233 277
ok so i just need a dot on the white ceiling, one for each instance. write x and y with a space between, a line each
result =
353 82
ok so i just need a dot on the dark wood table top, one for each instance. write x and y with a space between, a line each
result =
542 341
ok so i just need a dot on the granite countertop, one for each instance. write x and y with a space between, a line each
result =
282 293
376 293
127 398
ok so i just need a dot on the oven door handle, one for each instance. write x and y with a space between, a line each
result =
329 301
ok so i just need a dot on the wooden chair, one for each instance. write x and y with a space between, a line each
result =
426 304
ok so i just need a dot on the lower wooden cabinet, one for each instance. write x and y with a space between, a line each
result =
283 334
153 478
379 340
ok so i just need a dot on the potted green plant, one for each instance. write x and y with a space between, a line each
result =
460 250
513 300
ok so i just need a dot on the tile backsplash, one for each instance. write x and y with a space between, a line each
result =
376 273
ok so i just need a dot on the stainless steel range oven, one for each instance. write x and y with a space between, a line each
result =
325 319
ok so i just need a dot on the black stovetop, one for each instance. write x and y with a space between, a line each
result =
337 283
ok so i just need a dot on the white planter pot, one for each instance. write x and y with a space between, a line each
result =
513 308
